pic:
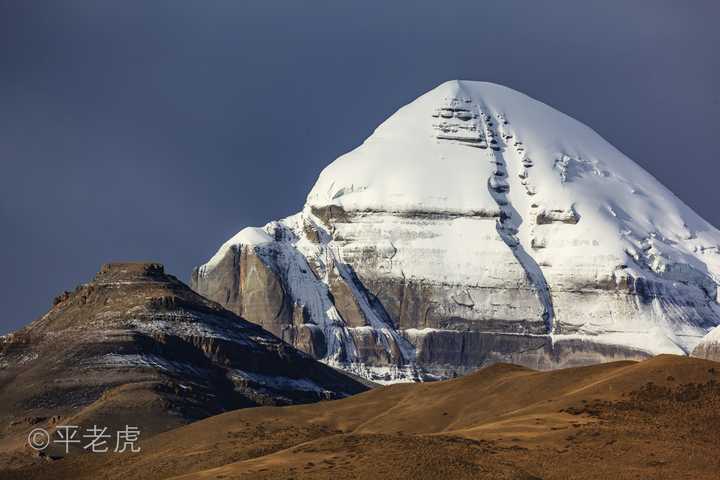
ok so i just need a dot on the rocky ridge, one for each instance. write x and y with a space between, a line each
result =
137 346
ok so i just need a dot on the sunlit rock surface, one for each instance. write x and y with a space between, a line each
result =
709 347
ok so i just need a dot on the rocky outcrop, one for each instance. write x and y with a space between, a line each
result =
244 284
137 345
477 225
709 347
545 217
448 353
319 306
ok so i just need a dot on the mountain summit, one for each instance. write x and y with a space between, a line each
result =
477 225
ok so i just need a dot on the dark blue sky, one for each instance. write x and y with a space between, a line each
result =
156 130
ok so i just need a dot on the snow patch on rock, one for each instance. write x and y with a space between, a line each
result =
247 236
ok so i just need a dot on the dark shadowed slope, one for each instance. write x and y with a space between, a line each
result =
136 346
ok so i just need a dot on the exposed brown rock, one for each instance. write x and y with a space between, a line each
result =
137 345
345 300
245 285
709 347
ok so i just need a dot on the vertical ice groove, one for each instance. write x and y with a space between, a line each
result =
379 324
305 289
508 226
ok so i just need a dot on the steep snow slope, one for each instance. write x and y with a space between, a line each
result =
477 224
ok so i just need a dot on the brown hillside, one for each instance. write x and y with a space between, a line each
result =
656 419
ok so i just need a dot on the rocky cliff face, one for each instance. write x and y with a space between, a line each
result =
477 225
136 346
709 347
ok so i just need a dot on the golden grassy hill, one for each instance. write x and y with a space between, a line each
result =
659 418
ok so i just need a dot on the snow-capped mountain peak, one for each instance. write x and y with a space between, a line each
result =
477 224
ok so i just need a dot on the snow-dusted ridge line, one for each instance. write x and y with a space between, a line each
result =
276 382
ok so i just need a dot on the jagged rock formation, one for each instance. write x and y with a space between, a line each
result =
709 347
477 225
137 346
